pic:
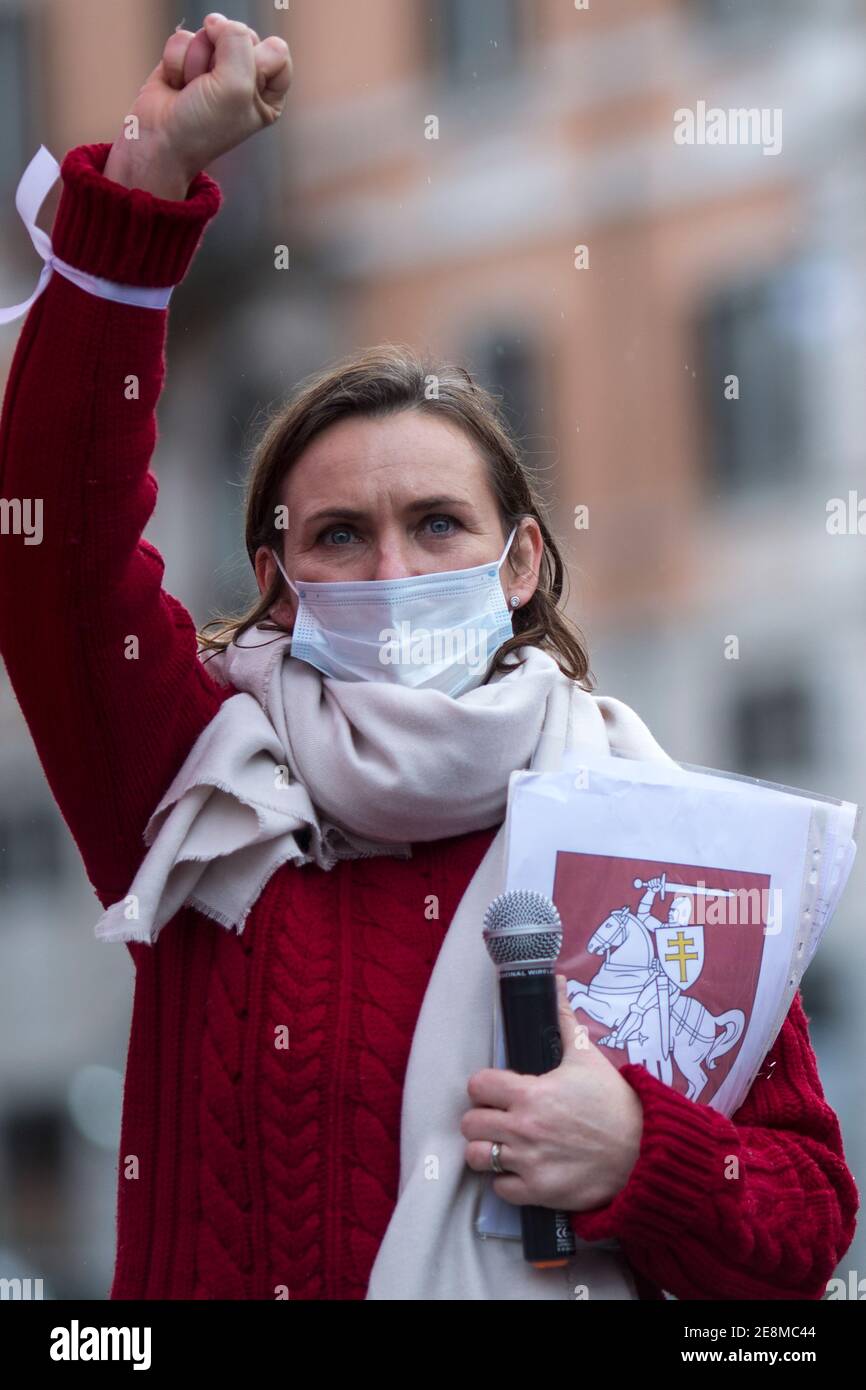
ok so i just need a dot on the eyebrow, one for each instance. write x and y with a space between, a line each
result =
358 514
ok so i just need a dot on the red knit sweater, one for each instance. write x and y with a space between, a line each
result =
244 1167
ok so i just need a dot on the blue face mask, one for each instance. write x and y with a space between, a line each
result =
428 631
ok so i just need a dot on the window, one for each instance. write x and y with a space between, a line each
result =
34 1141
245 403
772 730
474 41
31 847
505 361
820 988
15 138
746 13
34 1161
758 332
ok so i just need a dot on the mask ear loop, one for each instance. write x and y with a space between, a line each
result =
501 560
514 600
283 572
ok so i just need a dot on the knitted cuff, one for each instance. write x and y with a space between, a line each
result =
684 1148
127 235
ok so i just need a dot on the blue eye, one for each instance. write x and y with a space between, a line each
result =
334 530
443 516
434 517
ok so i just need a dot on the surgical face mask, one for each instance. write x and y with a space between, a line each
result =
428 631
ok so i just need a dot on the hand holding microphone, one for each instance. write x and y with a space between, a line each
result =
568 1124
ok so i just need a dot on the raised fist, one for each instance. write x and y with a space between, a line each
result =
209 91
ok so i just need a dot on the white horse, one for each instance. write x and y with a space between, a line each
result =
623 995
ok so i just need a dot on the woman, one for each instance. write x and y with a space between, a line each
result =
278 1139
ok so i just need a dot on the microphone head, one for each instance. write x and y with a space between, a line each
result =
522 929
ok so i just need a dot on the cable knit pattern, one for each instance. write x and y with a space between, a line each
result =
246 1169
224 1263
348 960
299 981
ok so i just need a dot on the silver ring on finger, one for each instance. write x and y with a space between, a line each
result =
495 1162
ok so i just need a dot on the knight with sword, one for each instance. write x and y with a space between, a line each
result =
662 989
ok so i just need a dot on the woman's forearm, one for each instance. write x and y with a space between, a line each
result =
141 164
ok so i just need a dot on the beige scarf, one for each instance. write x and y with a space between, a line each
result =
299 767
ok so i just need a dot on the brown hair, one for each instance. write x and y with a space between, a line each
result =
384 380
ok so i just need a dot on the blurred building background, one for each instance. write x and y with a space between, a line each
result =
707 516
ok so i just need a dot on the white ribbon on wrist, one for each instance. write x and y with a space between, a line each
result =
34 185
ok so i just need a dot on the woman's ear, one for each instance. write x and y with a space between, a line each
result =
267 574
524 561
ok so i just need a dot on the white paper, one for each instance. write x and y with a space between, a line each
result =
701 976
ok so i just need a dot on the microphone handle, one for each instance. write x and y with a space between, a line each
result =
533 1046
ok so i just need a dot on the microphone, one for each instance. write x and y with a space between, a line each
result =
523 936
